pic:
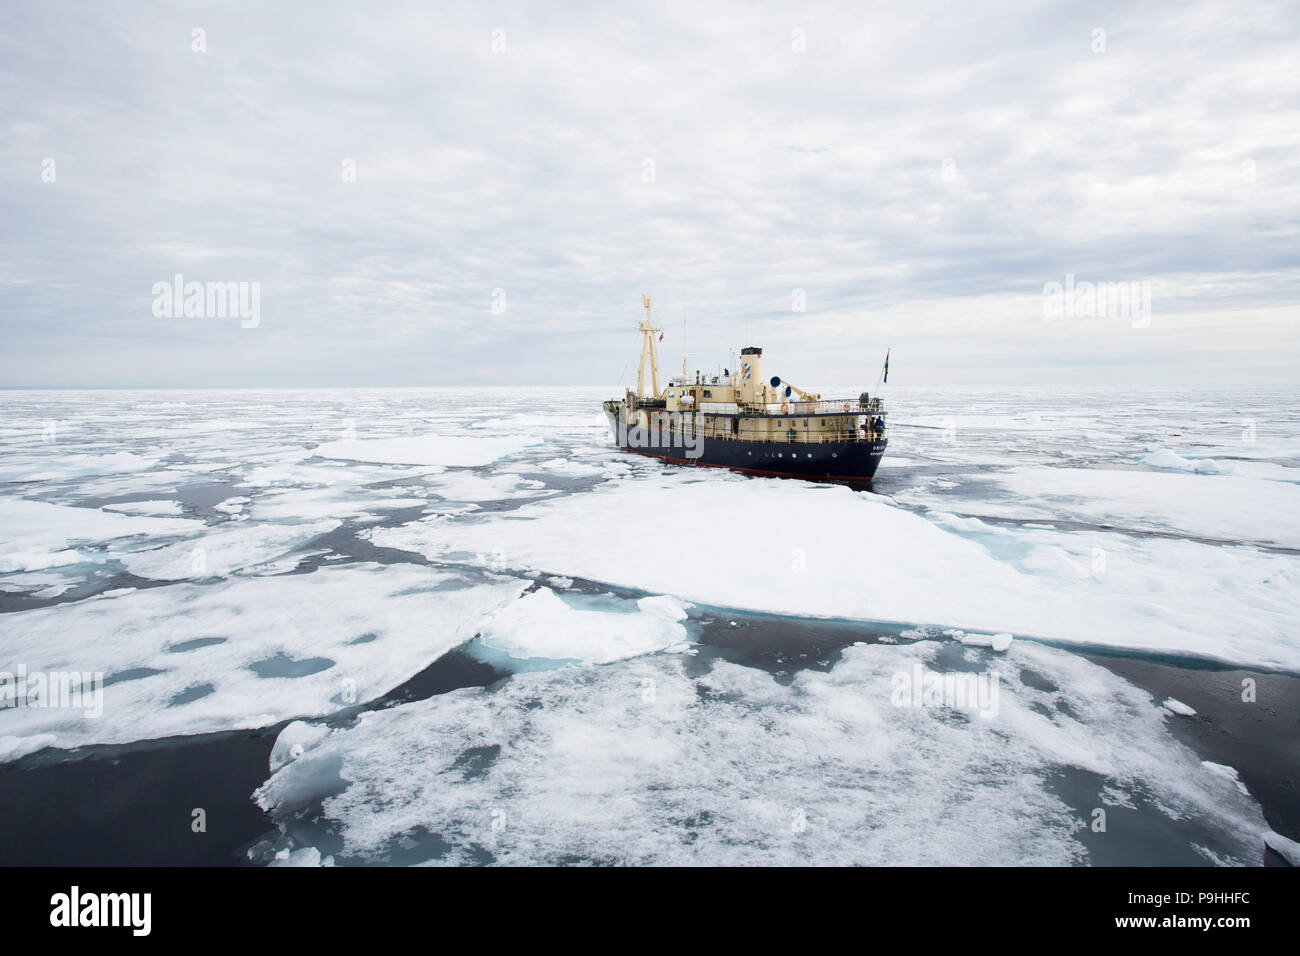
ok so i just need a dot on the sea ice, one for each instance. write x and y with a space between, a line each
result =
307 856
1166 459
824 551
571 468
160 508
543 625
41 527
302 504
1223 507
668 760
64 466
1285 847
220 551
191 658
294 740
453 450
999 642
38 535
467 486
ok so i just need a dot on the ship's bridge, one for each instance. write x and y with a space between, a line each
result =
723 381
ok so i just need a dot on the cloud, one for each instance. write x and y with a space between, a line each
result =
389 174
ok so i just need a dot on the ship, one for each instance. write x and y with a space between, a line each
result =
737 419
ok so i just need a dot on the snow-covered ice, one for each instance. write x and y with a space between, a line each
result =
1222 507
1164 458
232 560
543 625
1285 847
190 658
825 551
657 760
41 527
425 449
35 535
159 508
221 551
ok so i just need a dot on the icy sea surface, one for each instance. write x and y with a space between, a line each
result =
687 666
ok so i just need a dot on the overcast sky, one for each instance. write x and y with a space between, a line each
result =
524 172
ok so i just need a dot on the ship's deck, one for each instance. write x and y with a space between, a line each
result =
714 420
824 408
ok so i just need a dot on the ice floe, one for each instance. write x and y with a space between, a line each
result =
828 552
453 450
567 466
1166 459
667 760
293 741
35 535
304 857
1285 847
468 486
47 467
190 658
543 625
999 642
300 504
221 551
1026 512
298 475
1223 507
159 507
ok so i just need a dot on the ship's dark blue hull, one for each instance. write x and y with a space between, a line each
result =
848 462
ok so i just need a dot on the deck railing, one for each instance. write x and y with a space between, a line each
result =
721 381
821 408
804 438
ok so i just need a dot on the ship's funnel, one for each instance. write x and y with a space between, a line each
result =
751 375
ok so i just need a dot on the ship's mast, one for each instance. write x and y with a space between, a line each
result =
647 349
